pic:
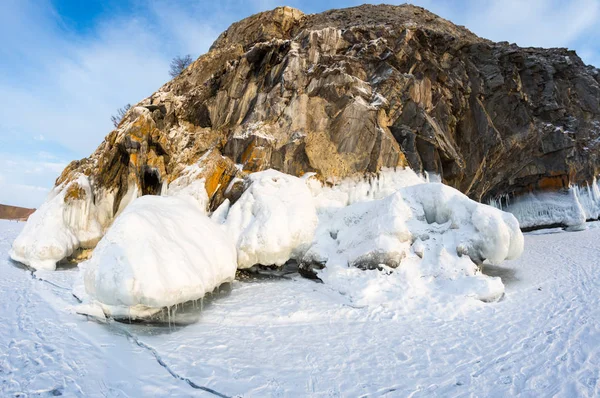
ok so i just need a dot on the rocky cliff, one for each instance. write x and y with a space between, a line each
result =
349 92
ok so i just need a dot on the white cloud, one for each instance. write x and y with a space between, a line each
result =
21 195
27 179
182 31
539 23
590 56
75 88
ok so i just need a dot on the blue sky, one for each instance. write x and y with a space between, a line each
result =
66 65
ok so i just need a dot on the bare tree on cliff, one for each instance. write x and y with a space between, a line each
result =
178 64
116 119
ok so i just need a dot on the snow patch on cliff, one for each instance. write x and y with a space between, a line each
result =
68 220
159 252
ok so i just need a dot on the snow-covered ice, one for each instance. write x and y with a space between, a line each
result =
161 251
73 217
435 233
293 337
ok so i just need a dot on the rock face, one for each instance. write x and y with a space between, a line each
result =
352 91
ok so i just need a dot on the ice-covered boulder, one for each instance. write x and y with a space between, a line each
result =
160 251
68 220
430 232
273 221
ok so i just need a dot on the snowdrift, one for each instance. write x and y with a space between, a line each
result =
68 220
273 221
159 252
431 233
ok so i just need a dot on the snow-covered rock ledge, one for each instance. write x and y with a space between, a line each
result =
386 240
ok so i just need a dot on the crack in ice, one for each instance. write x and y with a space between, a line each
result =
35 277
161 362
139 343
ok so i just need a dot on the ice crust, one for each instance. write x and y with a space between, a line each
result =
388 238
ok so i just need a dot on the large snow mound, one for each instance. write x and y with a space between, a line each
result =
432 234
273 221
569 208
159 252
68 220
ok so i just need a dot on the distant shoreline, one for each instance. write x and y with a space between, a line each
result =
14 213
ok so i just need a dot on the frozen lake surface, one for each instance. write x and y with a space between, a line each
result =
294 337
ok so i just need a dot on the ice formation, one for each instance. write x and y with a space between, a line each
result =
431 233
589 199
273 221
570 208
68 220
165 250
159 252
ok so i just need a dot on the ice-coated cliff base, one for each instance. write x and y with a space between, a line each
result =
570 208
68 220
390 238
